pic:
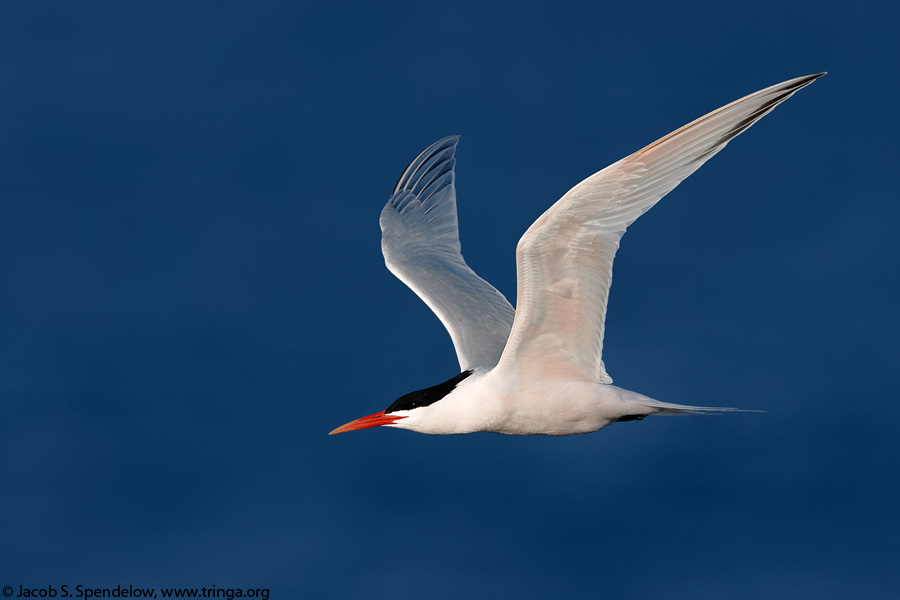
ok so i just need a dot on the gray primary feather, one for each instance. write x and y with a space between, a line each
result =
564 261
420 242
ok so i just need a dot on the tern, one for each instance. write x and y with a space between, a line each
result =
538 369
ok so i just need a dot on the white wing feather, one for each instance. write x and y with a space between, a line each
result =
420 243
564 260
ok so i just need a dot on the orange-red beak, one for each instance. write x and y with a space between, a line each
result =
370 421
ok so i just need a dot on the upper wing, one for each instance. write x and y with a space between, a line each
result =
420 242
564 260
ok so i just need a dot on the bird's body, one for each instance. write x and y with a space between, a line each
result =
539 369
501 402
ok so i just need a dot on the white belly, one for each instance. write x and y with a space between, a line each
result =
488 402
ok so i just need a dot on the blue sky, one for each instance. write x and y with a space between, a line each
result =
193 295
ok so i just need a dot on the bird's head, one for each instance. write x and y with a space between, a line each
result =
406 410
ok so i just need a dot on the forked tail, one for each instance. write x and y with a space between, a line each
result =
667 408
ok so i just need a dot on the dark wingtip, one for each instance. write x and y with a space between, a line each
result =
445 145
805 81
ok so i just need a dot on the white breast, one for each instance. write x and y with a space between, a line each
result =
494 401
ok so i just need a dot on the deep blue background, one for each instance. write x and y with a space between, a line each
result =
193 295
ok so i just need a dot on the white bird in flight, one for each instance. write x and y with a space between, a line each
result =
538 369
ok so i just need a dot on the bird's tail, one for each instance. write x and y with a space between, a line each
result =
667 408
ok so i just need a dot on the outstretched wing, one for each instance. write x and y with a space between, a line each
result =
564 260
420 242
